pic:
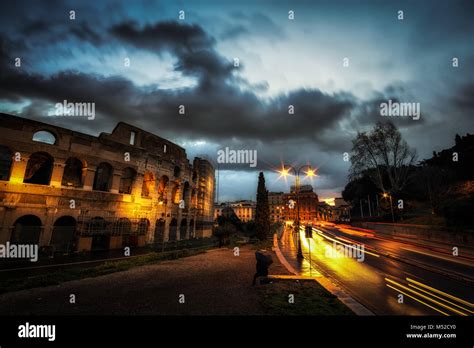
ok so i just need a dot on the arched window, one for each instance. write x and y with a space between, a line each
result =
191 228
122 226
63 238
173 230
176 171
193 198
6 161
98 228
44 137
162 188
143 226
148 184
97 225
103 177
26 230
183 229
127 179
73 173
175 193
159 230
39 169
186 192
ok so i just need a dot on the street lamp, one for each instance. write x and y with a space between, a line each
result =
310 172
385 195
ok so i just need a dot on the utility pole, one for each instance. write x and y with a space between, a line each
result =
297 190
309 173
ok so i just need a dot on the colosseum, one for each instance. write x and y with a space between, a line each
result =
68 191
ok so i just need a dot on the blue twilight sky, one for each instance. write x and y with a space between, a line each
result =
190 62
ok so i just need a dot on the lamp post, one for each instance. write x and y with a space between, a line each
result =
385 195
309 173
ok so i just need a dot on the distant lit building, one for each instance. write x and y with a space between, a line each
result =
276 203
341 210
307 200
244 210
325 211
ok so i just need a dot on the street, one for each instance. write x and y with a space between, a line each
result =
430 279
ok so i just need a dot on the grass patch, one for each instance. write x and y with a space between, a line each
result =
310 298
263 244
64 275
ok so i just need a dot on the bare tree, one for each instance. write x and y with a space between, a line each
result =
437 183
383 154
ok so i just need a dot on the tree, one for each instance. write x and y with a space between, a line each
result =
262 210
436 183
382 153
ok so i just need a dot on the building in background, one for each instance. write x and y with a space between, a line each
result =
325 211
308 204
341 210
205 197
276 203
70 191
244 210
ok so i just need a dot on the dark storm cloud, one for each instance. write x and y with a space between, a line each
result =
83 32
193 47
216 109
35 27
464 99
164 35
77 61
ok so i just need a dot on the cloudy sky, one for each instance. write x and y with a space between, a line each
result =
283 62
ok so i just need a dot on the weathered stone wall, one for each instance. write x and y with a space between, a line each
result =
150 158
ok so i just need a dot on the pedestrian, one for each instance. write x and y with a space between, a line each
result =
263 262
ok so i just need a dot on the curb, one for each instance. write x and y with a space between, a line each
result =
325 282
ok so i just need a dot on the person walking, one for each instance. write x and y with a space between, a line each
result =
264 260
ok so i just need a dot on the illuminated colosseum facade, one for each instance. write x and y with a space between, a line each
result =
68 191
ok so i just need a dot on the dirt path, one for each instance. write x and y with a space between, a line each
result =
214 283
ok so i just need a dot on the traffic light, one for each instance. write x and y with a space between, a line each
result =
308 231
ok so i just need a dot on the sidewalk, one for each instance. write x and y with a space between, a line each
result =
288 259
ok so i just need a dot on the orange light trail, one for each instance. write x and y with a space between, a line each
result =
426 297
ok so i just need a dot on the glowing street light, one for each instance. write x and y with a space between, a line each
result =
310 172
284 172
385 195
